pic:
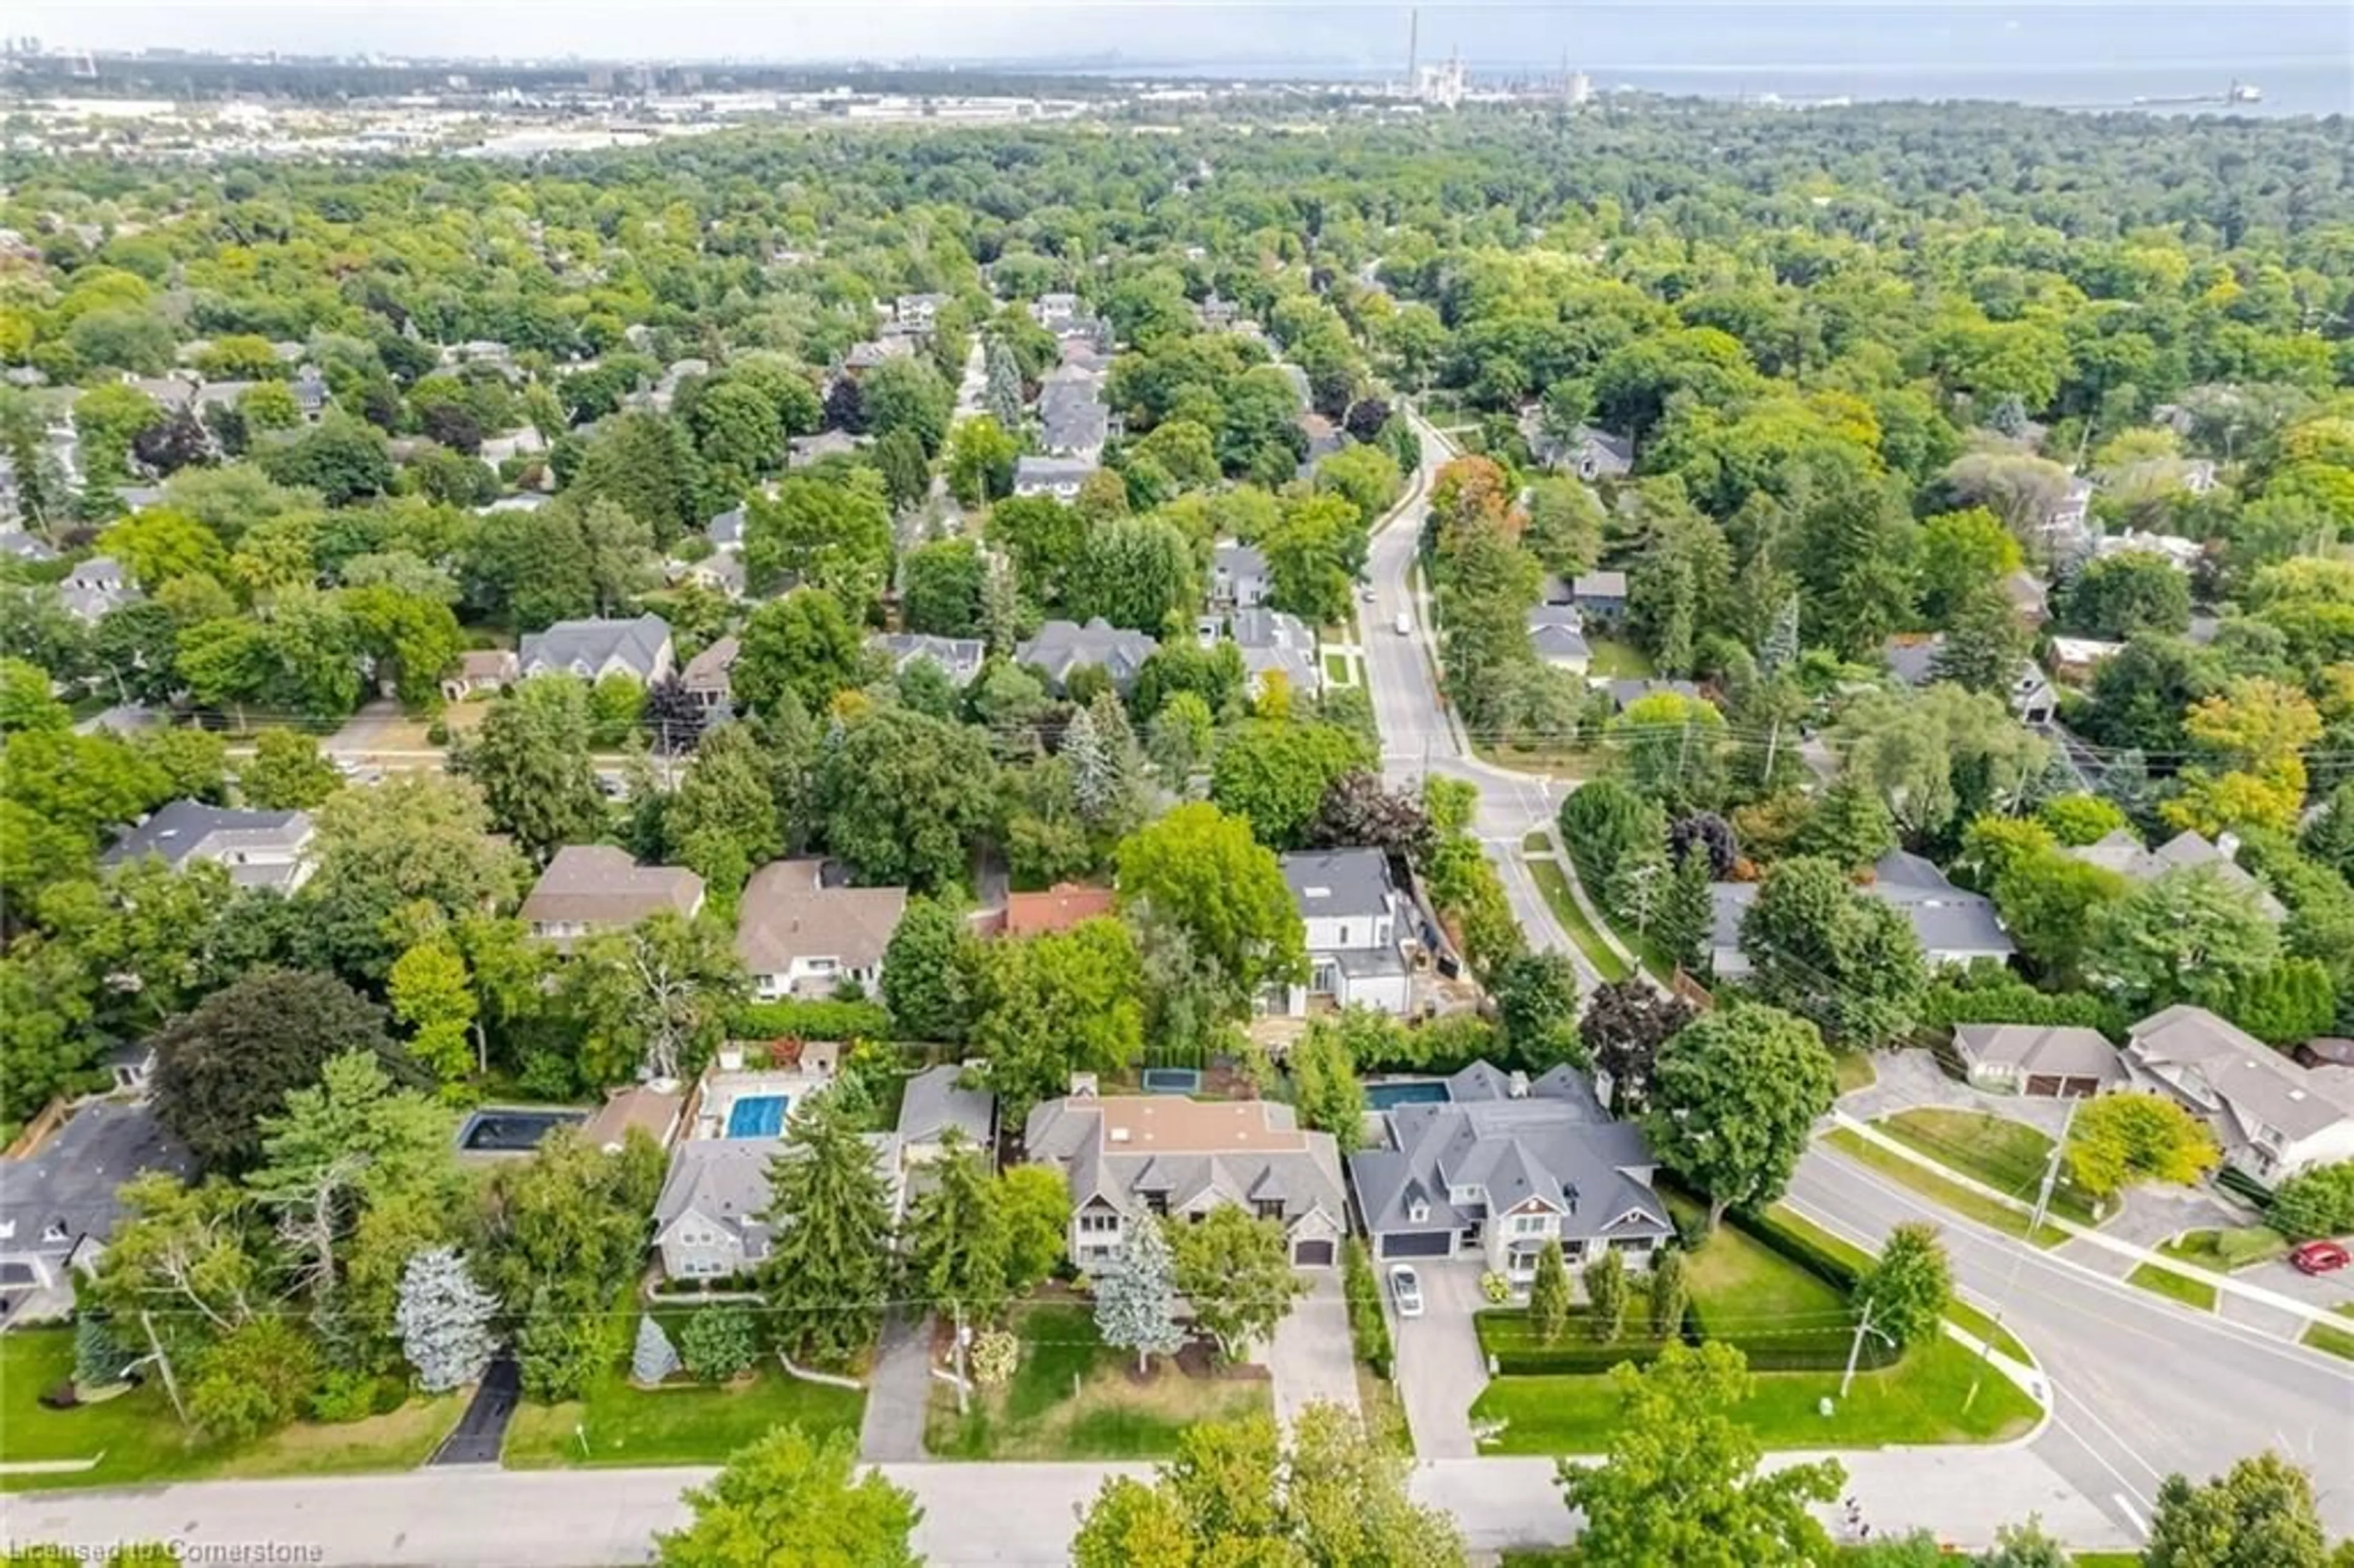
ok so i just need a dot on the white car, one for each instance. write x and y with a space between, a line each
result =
1406 1290
1404 624
1366 593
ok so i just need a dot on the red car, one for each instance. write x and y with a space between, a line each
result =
2318 1257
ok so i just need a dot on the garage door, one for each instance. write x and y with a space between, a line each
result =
1312 1254
1415 1244
2043 1083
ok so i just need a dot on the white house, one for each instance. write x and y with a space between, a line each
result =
1061 478
2273 1118
801 934
1349 910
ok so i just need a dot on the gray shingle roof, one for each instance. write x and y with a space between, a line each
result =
2254 1081
189 830
1191 1153
786 913
637 643
936 1101
1334 882
598 885
960 658
64 1190
2120 851
1063 646
2060 1049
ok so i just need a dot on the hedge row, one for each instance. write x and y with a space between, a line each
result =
1368 1330
1784 1351
2015 1002
811 1021
1506 1339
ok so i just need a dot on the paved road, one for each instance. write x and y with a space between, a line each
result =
1418 738
974 1515
2144 1388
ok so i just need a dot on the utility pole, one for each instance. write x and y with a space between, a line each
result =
2034 1224
1855 1349
1773 745
962 1389
163 1364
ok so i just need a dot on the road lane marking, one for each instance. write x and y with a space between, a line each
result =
2133 1517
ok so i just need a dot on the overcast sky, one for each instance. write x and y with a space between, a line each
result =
1929 32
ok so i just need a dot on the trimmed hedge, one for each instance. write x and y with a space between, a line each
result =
810 1021
1507 1337
2015 1002
1368 1330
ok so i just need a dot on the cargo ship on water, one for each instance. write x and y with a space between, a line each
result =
2238 92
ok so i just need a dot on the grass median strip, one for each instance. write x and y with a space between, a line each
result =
1555 886
1940 1189
2009 1156
2196 1294
2332 1340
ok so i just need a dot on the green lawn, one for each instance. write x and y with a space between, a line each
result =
137 1439
1074 1398
1853 1070
2329 1337
683 1424
1555 886
1537 841
2009 1156
1964 1315
1385 1413
1336 670
1917 1401
1929 1184
2196 1294
1616 659
2226 1252
1739 1283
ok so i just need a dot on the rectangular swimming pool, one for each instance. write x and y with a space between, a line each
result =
1407 1092
1172 1080
512 1129
758 1116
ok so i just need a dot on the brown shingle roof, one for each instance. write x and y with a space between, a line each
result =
598 885
1058 908
787 913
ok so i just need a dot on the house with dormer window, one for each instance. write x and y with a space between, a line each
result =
2273 1116
1349 909
592 649
1504 1165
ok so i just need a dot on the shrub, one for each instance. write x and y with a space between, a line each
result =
2015 1002
1369 1328
2316 1203
99 1360
718 1343
344 1395
253 1380
995 1354
811 1021
1495 1288
1513 1342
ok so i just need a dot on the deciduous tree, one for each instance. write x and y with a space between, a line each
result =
1235 1271
1908 1287
2121 1140
793 1502
1733 1099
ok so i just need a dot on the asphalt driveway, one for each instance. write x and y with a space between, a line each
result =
1311 1360
483 1430
1439 1368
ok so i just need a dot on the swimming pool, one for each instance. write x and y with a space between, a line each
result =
758 1116
512 1129
1172 1080
1407 1092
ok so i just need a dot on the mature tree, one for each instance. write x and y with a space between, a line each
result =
286 772
414 845
2316 1202
644 464
1536 1001
1940 756
221 1069
2186 936
958 1249
1842 958
1985 646
1849 824
432 992
158 545
1963 553
444 1320
2079 819
1733 1099
1033 1202
981 455
1235 1271
1134 572
1357 811
2015 1546
652 1001
823 534
2250 740
1233 1495
1047 1006
1680 1486
722 822
1325 1086
1136 1295
1549 1294
2261 1514
907 394
2124 595
941 587
1907 1288
927 969
2055 906
903 797
341 458
828 1272
1201 873
2121 1140
1277 772
530 758
803 644
792 1502
1624 1025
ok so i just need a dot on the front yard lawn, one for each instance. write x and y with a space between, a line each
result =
2226 1252
680 1424
1551 882
1853 1070
2009 1156
1736 1281
1074 1397
1615 659
2195 1294
1928 1184
1917 1401
1969 1319
136 1438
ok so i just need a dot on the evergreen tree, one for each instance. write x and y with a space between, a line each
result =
1668 1292
1092 783
1549 1294
1606 1294
99 1361
958 1254
1689 913
827 1273
1000 396
1136 1296
654 1357
1780 649
444 1319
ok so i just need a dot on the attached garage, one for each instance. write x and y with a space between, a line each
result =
1416 1244
1312 1254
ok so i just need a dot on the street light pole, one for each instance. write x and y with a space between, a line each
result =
1855 1348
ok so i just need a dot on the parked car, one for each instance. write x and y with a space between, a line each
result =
2318 1257
1406 1290
1366 593
1404 624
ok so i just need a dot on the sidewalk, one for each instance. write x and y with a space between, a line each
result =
2223 1283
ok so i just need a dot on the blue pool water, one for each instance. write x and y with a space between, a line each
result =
1172 1080
758 1116
1411 1092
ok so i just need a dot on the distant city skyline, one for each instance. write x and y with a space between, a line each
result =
1891 36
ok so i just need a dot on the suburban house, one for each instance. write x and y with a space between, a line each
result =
1588 453
1913 660
1127 1156
1057 312
960 658
260 849
1356 955
57 1203
937 1100
2067 514
708 1221
94 586
1953 927
2120 851
1557 632
865 357
592 649
2273 1118
1058 908
726 531
1602 594
800 932
2180 554
2048 1061
1060 477
1274 641
1502 1166
720 572
1625 692
481 671
2028 596
1072 420
801 452
917 312
19 546
2073 659
705 676
1238 575
588 889
1063 646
